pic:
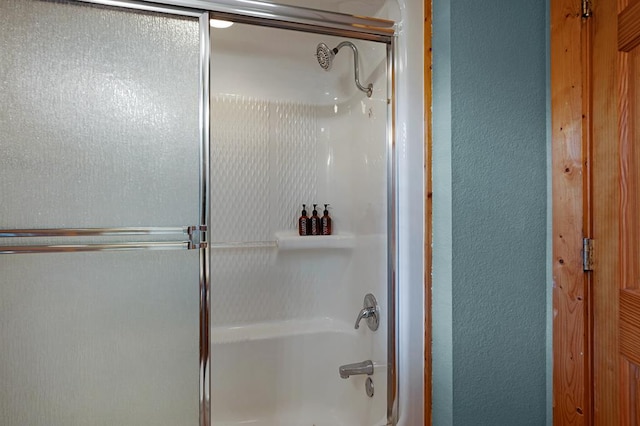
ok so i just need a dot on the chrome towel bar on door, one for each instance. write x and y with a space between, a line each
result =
92 232
193 233
72 248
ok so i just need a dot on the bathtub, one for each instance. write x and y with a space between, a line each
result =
285 373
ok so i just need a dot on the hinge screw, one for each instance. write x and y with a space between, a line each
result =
586 8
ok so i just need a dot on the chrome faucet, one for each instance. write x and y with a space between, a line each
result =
364 367
370 312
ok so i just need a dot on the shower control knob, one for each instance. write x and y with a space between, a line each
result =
370 312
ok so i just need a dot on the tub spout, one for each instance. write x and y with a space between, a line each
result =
364 367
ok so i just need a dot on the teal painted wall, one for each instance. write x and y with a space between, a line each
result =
490 314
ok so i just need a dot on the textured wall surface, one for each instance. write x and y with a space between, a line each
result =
269 157
490 301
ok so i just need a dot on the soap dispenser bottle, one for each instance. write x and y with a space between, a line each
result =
325 222
315 221
303 222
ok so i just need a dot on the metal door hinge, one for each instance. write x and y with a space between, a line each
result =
587 254
586 8
197 237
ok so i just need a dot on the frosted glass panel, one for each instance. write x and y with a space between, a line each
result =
99 124
99 339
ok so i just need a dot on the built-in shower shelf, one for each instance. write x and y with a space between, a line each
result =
280 329
290 240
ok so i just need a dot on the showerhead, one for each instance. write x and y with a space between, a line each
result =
325 56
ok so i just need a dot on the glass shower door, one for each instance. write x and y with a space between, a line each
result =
101 160
99 339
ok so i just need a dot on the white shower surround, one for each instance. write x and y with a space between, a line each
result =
410 196
282 318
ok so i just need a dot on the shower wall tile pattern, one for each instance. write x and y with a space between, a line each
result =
296 160
263 168
240 169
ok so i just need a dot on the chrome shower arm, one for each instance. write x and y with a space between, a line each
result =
369 89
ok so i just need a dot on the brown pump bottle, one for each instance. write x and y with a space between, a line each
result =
315 221
303 222
325 222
